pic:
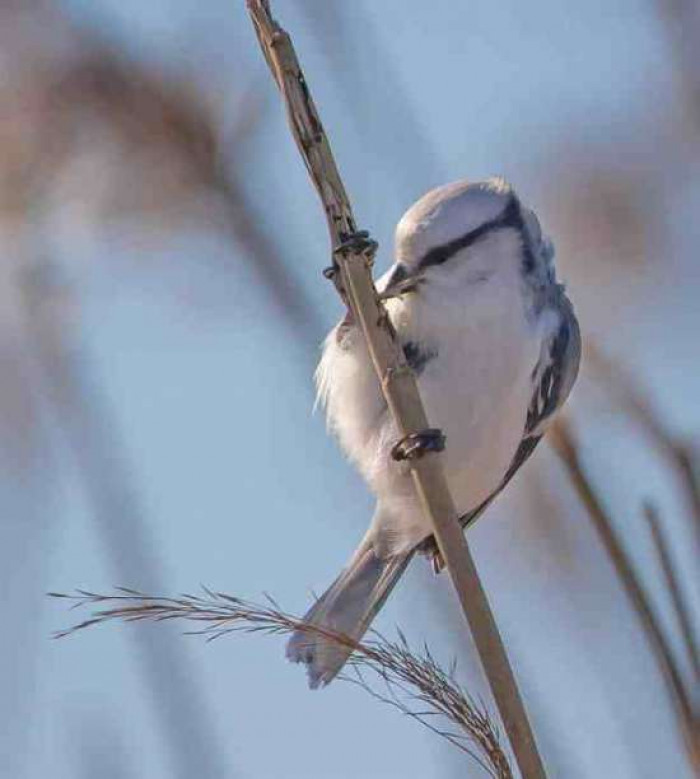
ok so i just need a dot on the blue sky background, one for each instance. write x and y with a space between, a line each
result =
207 393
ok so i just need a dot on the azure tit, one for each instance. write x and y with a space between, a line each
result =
495 346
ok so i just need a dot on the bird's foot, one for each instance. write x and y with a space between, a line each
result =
415 445
437 562
358 242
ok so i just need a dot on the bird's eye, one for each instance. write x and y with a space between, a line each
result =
437 256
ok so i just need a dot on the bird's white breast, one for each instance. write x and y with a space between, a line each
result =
476 388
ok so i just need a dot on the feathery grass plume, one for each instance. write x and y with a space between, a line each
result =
351 272
406 677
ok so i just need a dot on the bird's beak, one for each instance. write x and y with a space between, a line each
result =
401 282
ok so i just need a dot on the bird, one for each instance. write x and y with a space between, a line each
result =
495 345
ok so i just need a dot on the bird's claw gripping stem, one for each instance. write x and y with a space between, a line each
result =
415 445
358 242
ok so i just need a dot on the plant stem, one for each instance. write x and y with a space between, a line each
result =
563 442
673 585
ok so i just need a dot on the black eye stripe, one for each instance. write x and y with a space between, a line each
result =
511 216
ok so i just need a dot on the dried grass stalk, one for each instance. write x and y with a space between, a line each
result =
679 453
673 585
564 444
405 677
397 381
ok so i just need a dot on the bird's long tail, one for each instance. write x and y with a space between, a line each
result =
348 606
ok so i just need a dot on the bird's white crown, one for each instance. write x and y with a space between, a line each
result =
448 212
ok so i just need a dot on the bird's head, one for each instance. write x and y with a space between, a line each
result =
465 234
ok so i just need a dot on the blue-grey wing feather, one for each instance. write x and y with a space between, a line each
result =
556 371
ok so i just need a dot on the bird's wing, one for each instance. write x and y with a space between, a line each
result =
554 376
556 371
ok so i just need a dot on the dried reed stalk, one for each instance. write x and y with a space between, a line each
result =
564 444
101 85
406 676
674 587
679 454
397 381
681 458
82 415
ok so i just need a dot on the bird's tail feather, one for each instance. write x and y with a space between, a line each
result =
348 606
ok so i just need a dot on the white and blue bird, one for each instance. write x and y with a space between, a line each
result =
495 346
